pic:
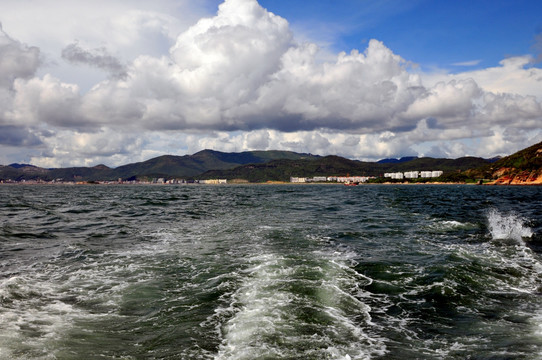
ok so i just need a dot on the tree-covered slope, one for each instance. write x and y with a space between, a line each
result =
282 170
522 167
186 166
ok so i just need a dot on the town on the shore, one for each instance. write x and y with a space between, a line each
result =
409 175
363 179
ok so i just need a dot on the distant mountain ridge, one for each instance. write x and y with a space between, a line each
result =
19 166
276 165
282 170
166 166
397 161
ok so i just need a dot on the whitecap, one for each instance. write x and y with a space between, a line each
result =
267 310
449 225
508 226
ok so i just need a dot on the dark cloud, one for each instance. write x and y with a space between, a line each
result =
433 123
17 136
98 58
16 60
242 75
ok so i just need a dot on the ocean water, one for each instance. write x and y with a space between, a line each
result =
270 272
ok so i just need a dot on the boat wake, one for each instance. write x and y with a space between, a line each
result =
299 306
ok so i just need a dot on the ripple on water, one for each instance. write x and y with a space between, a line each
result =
269 272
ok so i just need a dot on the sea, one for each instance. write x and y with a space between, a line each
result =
270 272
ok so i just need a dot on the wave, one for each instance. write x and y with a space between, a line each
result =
508 226
32 315
299 306
444 226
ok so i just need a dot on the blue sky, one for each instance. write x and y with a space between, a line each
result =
430 33
357 78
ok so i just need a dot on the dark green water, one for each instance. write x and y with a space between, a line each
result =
270 272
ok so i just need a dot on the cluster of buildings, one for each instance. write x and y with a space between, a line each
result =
296 180
413 175
339 179
314 179
175 181
362 179
159 181
213 181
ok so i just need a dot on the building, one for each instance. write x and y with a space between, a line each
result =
411 174
352 179
214 181
394 176
425 174
319 179
431 174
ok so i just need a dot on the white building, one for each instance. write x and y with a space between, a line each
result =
411 174
319 179
425 174
214 181
353 179
395 176
431 174
298 179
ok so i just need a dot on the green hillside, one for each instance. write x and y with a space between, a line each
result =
192 165
274 165
166 166
282 170
528 160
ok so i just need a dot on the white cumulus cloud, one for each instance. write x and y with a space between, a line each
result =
241 80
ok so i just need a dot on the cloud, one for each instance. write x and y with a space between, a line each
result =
17 60
98 58
359 91
514 75
46 101
242 70
240 80
450 101
131 28
258 140
18 136
468 63
105 145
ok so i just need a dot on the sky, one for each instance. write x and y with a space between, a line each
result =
119 81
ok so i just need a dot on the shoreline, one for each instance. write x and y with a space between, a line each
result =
492 184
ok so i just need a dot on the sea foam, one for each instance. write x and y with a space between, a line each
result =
305 308
507 226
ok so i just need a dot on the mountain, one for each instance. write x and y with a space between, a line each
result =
20 166
22 172
446 165
282 170
522 167
200 162
397 161
525 166
166 166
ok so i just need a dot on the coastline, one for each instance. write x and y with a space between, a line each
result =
492 183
